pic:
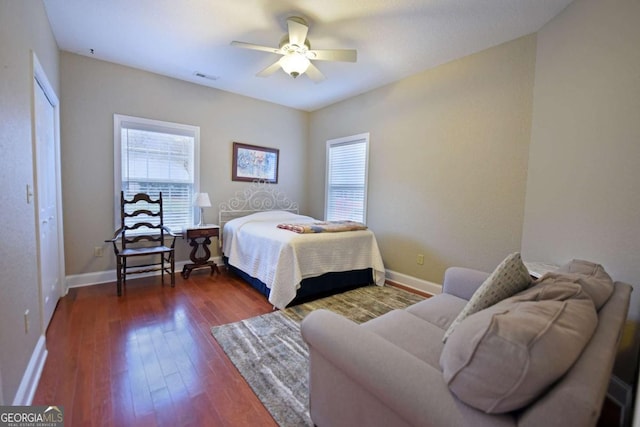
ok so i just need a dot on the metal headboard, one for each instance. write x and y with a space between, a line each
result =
260 196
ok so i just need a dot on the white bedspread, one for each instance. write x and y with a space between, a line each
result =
281 258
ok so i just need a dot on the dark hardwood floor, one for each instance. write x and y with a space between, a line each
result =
148 358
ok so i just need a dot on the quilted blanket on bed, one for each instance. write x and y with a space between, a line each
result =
324 227
281 259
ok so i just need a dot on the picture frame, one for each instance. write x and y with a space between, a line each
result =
252 162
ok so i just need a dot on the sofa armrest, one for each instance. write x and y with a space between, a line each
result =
408 386
462 282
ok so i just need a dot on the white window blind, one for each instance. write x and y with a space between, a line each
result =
346 188
153 157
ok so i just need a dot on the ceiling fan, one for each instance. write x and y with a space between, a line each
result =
297 53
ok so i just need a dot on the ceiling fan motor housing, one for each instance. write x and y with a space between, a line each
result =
288 47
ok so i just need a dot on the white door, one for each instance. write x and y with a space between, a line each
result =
45 111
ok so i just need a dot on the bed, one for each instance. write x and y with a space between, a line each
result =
289 267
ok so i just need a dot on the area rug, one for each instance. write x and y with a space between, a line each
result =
270 354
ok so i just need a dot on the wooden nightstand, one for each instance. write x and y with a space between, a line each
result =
200 239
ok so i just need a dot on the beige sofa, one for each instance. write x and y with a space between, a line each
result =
387 372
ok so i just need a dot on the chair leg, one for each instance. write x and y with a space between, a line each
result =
119 275
124 273
173 269
162 268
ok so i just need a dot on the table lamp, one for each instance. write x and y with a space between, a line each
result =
202 201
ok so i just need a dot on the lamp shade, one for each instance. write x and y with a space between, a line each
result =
294 64
202 200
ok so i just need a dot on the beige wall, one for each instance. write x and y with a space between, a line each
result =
448 160
23 27
583 190
92 91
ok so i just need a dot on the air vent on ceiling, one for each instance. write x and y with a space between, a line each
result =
205 76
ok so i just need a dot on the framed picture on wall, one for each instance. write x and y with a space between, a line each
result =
251 162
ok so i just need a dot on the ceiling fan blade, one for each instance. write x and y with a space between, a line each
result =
297 30
270 69
314 74
255 47
345 55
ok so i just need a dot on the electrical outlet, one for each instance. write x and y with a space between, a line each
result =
98 251
26 321
420 259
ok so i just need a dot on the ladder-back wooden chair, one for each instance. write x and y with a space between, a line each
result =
142 233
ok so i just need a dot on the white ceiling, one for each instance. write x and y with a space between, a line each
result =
394 38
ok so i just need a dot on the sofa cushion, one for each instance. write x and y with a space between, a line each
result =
592 277
411 333
500 359
439 310
510 277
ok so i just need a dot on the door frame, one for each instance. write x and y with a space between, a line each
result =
40 78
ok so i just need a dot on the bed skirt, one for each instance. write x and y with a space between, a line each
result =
314 287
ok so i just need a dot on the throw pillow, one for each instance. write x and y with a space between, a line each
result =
510 277
501 359
592 277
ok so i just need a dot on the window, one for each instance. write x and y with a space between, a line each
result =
150 157
346 189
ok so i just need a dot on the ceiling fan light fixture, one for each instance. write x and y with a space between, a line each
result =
294 64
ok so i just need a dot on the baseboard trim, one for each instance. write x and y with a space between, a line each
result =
109 276
621 394
413 282
31 377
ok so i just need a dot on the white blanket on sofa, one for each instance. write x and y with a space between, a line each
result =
281 259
